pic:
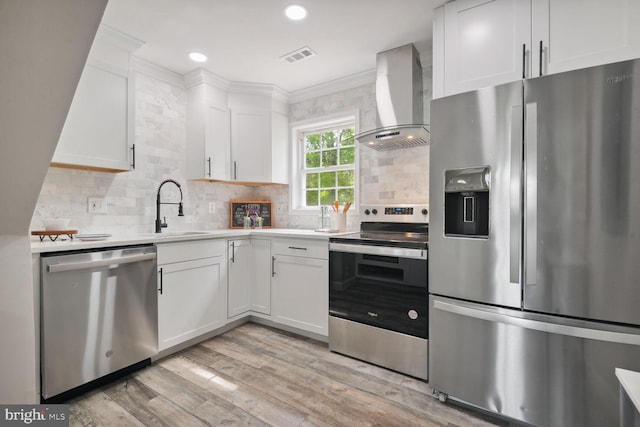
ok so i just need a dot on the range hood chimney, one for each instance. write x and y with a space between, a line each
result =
399 102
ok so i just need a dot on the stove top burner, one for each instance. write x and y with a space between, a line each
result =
405 226
417 239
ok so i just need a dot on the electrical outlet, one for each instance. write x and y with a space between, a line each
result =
212 207
278 210
97 205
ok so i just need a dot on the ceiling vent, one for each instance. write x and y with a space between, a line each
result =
299 54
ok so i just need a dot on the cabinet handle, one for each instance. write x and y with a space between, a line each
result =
160 289
133 156
524 61
233 252
273 266
235 170
209 167
541 51
297 248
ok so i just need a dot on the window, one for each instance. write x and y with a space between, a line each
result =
326 164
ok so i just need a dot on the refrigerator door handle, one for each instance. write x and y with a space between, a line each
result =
490 315
514 195
531 194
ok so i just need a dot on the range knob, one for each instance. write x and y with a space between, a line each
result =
367 212
374 211
424 211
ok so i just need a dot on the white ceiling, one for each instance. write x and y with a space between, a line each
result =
244 39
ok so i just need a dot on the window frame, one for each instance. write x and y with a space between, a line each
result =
297 181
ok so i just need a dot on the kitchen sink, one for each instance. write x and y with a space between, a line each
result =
181 233
174 234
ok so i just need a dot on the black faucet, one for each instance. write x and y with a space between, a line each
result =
159 224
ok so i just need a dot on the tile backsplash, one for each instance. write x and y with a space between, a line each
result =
399 176
130 196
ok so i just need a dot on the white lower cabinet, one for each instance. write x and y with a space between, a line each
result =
300 285
260 281
249 277
191 290
203 283
239 277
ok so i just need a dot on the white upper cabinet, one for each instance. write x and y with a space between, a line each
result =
259 128
250 148
582 33
235 132
479 43
208 127
99 130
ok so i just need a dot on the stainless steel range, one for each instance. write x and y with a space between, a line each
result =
378 289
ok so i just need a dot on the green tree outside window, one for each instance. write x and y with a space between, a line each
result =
329 166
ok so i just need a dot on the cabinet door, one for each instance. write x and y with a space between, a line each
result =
485 43
279 148
217 143
190 299
301 293
260 283
96 131
239 274
251 145
582 33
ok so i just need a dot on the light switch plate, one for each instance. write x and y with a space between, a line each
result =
97 205
212 207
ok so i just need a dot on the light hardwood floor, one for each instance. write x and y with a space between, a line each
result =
256 375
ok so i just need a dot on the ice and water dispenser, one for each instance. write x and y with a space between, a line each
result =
466 202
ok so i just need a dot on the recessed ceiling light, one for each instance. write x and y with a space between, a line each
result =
295 12
198 57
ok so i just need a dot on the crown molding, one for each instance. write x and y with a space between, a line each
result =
333 86
119 39
200 76
142 66
270 90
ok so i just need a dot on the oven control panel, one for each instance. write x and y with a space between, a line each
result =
395 213
398 211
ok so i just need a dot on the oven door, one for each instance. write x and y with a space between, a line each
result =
386 287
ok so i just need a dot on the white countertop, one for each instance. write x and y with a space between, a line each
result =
630 382
168 236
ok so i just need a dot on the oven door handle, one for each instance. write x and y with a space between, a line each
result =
379 250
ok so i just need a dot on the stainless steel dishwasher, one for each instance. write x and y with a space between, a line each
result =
99 315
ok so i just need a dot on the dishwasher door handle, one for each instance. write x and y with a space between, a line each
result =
83 265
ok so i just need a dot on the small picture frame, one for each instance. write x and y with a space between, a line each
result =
255 209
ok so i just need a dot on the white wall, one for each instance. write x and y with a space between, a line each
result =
43 46
399 176
160 137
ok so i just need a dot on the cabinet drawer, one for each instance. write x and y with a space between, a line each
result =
302 247
190 250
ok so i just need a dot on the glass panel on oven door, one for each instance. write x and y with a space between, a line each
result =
382 291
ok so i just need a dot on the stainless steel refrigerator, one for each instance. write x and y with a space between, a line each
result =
534 245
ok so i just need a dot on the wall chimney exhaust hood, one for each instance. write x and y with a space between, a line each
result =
399 102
